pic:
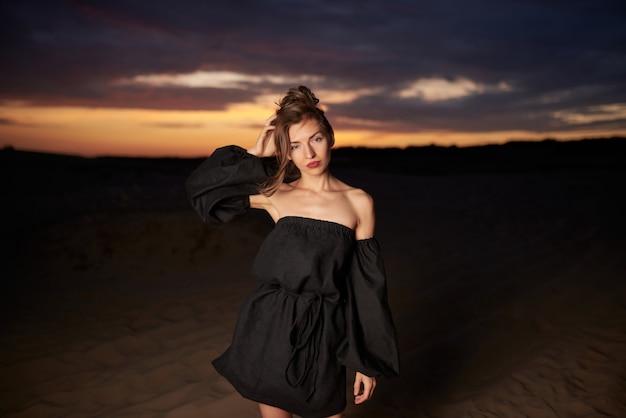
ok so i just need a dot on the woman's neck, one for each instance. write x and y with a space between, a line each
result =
315 183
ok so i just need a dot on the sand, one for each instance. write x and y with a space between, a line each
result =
508 290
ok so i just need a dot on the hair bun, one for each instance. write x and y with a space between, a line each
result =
309 94
300 95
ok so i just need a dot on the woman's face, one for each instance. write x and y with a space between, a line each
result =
310 148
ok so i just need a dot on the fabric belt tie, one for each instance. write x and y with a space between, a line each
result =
305 338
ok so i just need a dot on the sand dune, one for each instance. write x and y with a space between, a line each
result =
507 288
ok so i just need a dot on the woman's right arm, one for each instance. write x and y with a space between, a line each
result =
227 183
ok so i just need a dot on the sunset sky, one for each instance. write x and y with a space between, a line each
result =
180 78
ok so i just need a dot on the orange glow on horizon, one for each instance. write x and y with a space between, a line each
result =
154 133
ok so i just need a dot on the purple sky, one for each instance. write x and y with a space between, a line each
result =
536 66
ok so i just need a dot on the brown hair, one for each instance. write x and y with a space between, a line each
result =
299 104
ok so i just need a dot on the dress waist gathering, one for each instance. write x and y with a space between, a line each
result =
305 333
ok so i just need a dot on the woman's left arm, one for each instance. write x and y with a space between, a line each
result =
364 206
371 343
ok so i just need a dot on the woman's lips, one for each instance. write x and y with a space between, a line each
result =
313 164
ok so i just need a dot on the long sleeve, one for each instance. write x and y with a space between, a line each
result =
219 189
371 342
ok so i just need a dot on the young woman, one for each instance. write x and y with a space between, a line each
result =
322 301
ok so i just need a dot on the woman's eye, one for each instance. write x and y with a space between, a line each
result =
295 147
317 139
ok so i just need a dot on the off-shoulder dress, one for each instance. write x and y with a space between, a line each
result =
321 304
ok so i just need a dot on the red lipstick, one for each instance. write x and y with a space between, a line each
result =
313 164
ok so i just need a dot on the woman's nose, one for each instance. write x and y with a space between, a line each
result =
310 152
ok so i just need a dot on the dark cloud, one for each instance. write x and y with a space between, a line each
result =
554 55
516 110
6 121
13 122
135 97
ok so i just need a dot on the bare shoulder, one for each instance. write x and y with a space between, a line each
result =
363 205
360 199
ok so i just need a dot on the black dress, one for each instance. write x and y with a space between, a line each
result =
321 304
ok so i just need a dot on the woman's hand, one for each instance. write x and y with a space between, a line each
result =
265 146
363 387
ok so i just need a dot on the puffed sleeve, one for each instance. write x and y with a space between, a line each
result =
371 345
219 189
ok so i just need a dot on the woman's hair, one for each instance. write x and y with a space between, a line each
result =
299 104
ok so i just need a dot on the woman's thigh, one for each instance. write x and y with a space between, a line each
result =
268 411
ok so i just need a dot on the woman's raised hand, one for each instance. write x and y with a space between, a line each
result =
265 146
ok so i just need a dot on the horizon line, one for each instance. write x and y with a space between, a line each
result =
10 148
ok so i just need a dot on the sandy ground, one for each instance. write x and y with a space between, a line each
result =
509 293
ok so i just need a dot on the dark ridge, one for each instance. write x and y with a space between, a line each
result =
519 156
515 156
41 185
